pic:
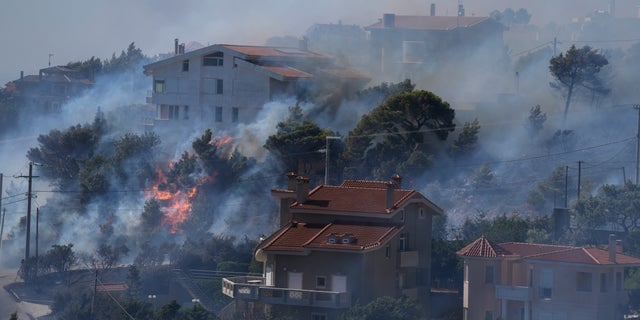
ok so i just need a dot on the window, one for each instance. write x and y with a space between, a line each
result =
186 112
218 114
421 213
158 86
546 284
402 215
185 65
488 315
618 281
321 282
603 282
387 251
488 274
318 316
235 114
219 86
402 243
213 60
174 112
583 281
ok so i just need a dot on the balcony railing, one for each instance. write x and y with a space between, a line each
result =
254 288
514 293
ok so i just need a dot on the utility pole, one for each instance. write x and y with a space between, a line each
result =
566 186
37 222
326 159
637 107
29 196
579 177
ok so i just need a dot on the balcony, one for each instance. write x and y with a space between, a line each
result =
409 259
254 288
516 293
149 97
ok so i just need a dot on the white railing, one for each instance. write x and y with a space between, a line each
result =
254 288
517 293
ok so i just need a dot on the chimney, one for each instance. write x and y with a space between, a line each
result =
303 44
291 179
21 74
303 189
390 193
612 248
433 10
397 181
461 10
175 46
181 48
389 20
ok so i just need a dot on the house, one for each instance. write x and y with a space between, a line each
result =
50 89
403 46
338 246
222 85
536 281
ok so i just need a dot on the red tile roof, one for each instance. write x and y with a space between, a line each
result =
281 52
288 72
431 22
301 237
363 199
482 247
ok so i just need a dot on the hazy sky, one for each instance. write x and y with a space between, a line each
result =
74 30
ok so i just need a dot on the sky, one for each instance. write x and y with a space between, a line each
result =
76 30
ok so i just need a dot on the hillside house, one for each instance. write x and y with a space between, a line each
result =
338 246
403 46
221 85
527 281
50 89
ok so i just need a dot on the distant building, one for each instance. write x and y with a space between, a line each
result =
402 46
346 42
221 85
338 246
50 89
536 281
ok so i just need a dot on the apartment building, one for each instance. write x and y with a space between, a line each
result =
527 281
222 85
338 246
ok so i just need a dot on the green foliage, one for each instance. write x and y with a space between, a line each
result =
391 133
483 178
578 69
377 94
509 17
168 311
134 282
385 308
196 312
151 215
549 193
612 205
466 142
536 119
126 61
62 153
297 142
503 228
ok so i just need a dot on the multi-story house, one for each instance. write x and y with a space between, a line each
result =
50 89
405 46
223 85
338 246
527 281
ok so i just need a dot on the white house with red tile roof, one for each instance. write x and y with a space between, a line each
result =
341 245
221 85
537 281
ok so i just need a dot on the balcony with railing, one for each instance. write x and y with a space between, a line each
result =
517 293
254 288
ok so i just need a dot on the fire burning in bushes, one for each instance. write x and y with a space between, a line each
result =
175 202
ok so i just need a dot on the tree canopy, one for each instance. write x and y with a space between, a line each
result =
578 68
402 131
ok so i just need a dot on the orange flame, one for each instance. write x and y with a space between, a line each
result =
176 203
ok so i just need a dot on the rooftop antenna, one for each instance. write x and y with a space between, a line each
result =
50 55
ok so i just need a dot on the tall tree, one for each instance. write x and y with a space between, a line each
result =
298 142
577 68
406 126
